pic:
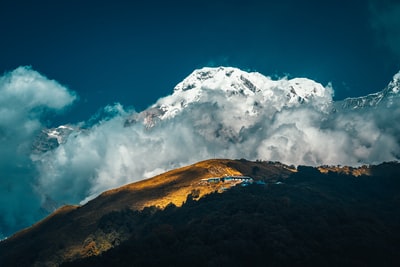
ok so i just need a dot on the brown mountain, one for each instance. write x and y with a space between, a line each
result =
325 216
72 232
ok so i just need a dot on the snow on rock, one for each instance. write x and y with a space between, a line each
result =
49 139
382 98
246 92
394 85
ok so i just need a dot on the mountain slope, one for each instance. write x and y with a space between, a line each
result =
215 111
311 219
65 234
124 215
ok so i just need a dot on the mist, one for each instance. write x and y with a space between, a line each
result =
25 97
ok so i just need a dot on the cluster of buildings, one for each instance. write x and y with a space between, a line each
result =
244 180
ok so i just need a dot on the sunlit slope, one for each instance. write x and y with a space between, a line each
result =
71 232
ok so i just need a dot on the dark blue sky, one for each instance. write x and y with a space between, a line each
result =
134 53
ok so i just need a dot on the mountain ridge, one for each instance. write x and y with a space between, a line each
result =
72 232
171 187
384 97
248 91
235 82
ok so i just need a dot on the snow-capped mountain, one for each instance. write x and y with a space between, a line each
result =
217 113
248 92
49 139
251 89
234 100
382 98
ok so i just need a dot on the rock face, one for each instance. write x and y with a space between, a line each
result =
49 139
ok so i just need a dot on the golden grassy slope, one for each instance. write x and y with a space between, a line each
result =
355 171
71 232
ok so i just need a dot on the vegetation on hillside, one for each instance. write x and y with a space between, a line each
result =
311 219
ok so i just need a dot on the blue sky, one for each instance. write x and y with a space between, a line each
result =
135 53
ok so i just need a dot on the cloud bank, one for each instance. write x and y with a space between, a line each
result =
25 96
204 120
292 121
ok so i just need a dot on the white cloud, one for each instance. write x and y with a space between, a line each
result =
219 124
25 95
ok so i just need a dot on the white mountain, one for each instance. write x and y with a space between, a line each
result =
236 84
247 93
219 112
239 95
386 97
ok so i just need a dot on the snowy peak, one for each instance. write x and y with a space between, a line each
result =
384 97
394 85
245 91
246 83
60 133
49 139
307 89
223 78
